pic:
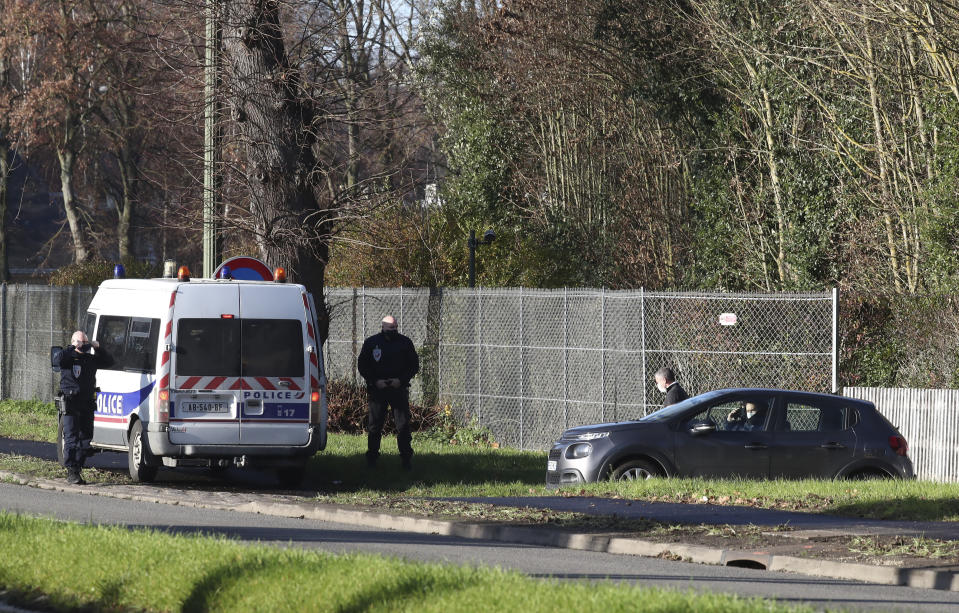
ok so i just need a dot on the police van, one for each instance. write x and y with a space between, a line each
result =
208 372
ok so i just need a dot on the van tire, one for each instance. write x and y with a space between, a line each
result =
141 463
61 443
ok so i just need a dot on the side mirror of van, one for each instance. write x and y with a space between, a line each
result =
55 353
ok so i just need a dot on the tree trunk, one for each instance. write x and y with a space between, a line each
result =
67 160
277 141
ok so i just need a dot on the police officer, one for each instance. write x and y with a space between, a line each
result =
78 380
667 384
388 361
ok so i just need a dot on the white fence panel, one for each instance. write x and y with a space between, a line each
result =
928 419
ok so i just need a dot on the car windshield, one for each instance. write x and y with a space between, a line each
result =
673 410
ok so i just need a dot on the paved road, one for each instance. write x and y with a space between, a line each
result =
534 561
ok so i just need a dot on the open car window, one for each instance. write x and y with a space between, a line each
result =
743 414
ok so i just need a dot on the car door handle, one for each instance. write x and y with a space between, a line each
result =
756 446
833 445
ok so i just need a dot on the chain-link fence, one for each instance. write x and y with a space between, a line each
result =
530 363
32 319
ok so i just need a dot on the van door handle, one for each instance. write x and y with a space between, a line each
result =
284 383
756 446
833 445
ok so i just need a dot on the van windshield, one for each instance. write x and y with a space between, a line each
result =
240 347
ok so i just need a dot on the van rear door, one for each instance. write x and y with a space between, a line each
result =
204 407
275 366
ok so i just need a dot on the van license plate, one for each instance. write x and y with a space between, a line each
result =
205 407
551 465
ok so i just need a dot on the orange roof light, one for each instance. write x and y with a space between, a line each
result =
279 275
183 274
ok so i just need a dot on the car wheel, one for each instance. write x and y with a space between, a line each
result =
868 473
140 461
635 470
61 444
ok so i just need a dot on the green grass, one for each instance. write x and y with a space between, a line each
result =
442 470
152 571
28 420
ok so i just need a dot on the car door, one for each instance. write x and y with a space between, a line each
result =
815 438
720 449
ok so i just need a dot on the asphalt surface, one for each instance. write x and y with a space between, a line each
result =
577 557
89 505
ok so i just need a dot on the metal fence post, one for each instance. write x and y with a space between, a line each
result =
566 357
3 340
642 349
478 297
835 339
522 373
602 353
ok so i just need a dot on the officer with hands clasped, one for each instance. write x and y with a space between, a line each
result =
388 361
78 383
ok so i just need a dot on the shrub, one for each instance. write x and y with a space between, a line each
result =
348 408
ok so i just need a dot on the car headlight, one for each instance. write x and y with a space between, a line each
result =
591 436
579 450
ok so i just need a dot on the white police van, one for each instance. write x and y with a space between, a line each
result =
208 372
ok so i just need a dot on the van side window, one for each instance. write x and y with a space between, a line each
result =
132 341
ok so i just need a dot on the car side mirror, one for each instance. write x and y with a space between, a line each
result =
702 428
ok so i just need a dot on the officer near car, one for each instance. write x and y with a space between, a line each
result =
388 362
667 384
78 363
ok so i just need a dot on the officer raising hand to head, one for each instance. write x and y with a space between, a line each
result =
79 362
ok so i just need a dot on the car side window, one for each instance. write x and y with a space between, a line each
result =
743 414
805 417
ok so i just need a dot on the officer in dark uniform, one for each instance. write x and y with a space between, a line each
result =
667 384
388 361
78 382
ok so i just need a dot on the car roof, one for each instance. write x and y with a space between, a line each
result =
796 393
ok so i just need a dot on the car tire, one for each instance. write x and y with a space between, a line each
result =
635 470
61 443
140 462
866 474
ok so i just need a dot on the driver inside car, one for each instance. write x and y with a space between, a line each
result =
750 417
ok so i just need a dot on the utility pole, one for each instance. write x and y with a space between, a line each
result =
211 140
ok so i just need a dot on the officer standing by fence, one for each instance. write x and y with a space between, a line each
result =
78 383
667 384
388 362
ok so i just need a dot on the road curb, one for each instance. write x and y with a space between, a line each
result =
540 536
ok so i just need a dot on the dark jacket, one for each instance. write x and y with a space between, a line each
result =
78 372
384 357
674 394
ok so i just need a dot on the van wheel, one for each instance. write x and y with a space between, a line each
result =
635 470
139 459
291 477
61 443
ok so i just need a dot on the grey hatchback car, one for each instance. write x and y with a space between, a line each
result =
752 433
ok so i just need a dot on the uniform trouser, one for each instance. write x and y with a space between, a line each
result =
399 401
77 432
